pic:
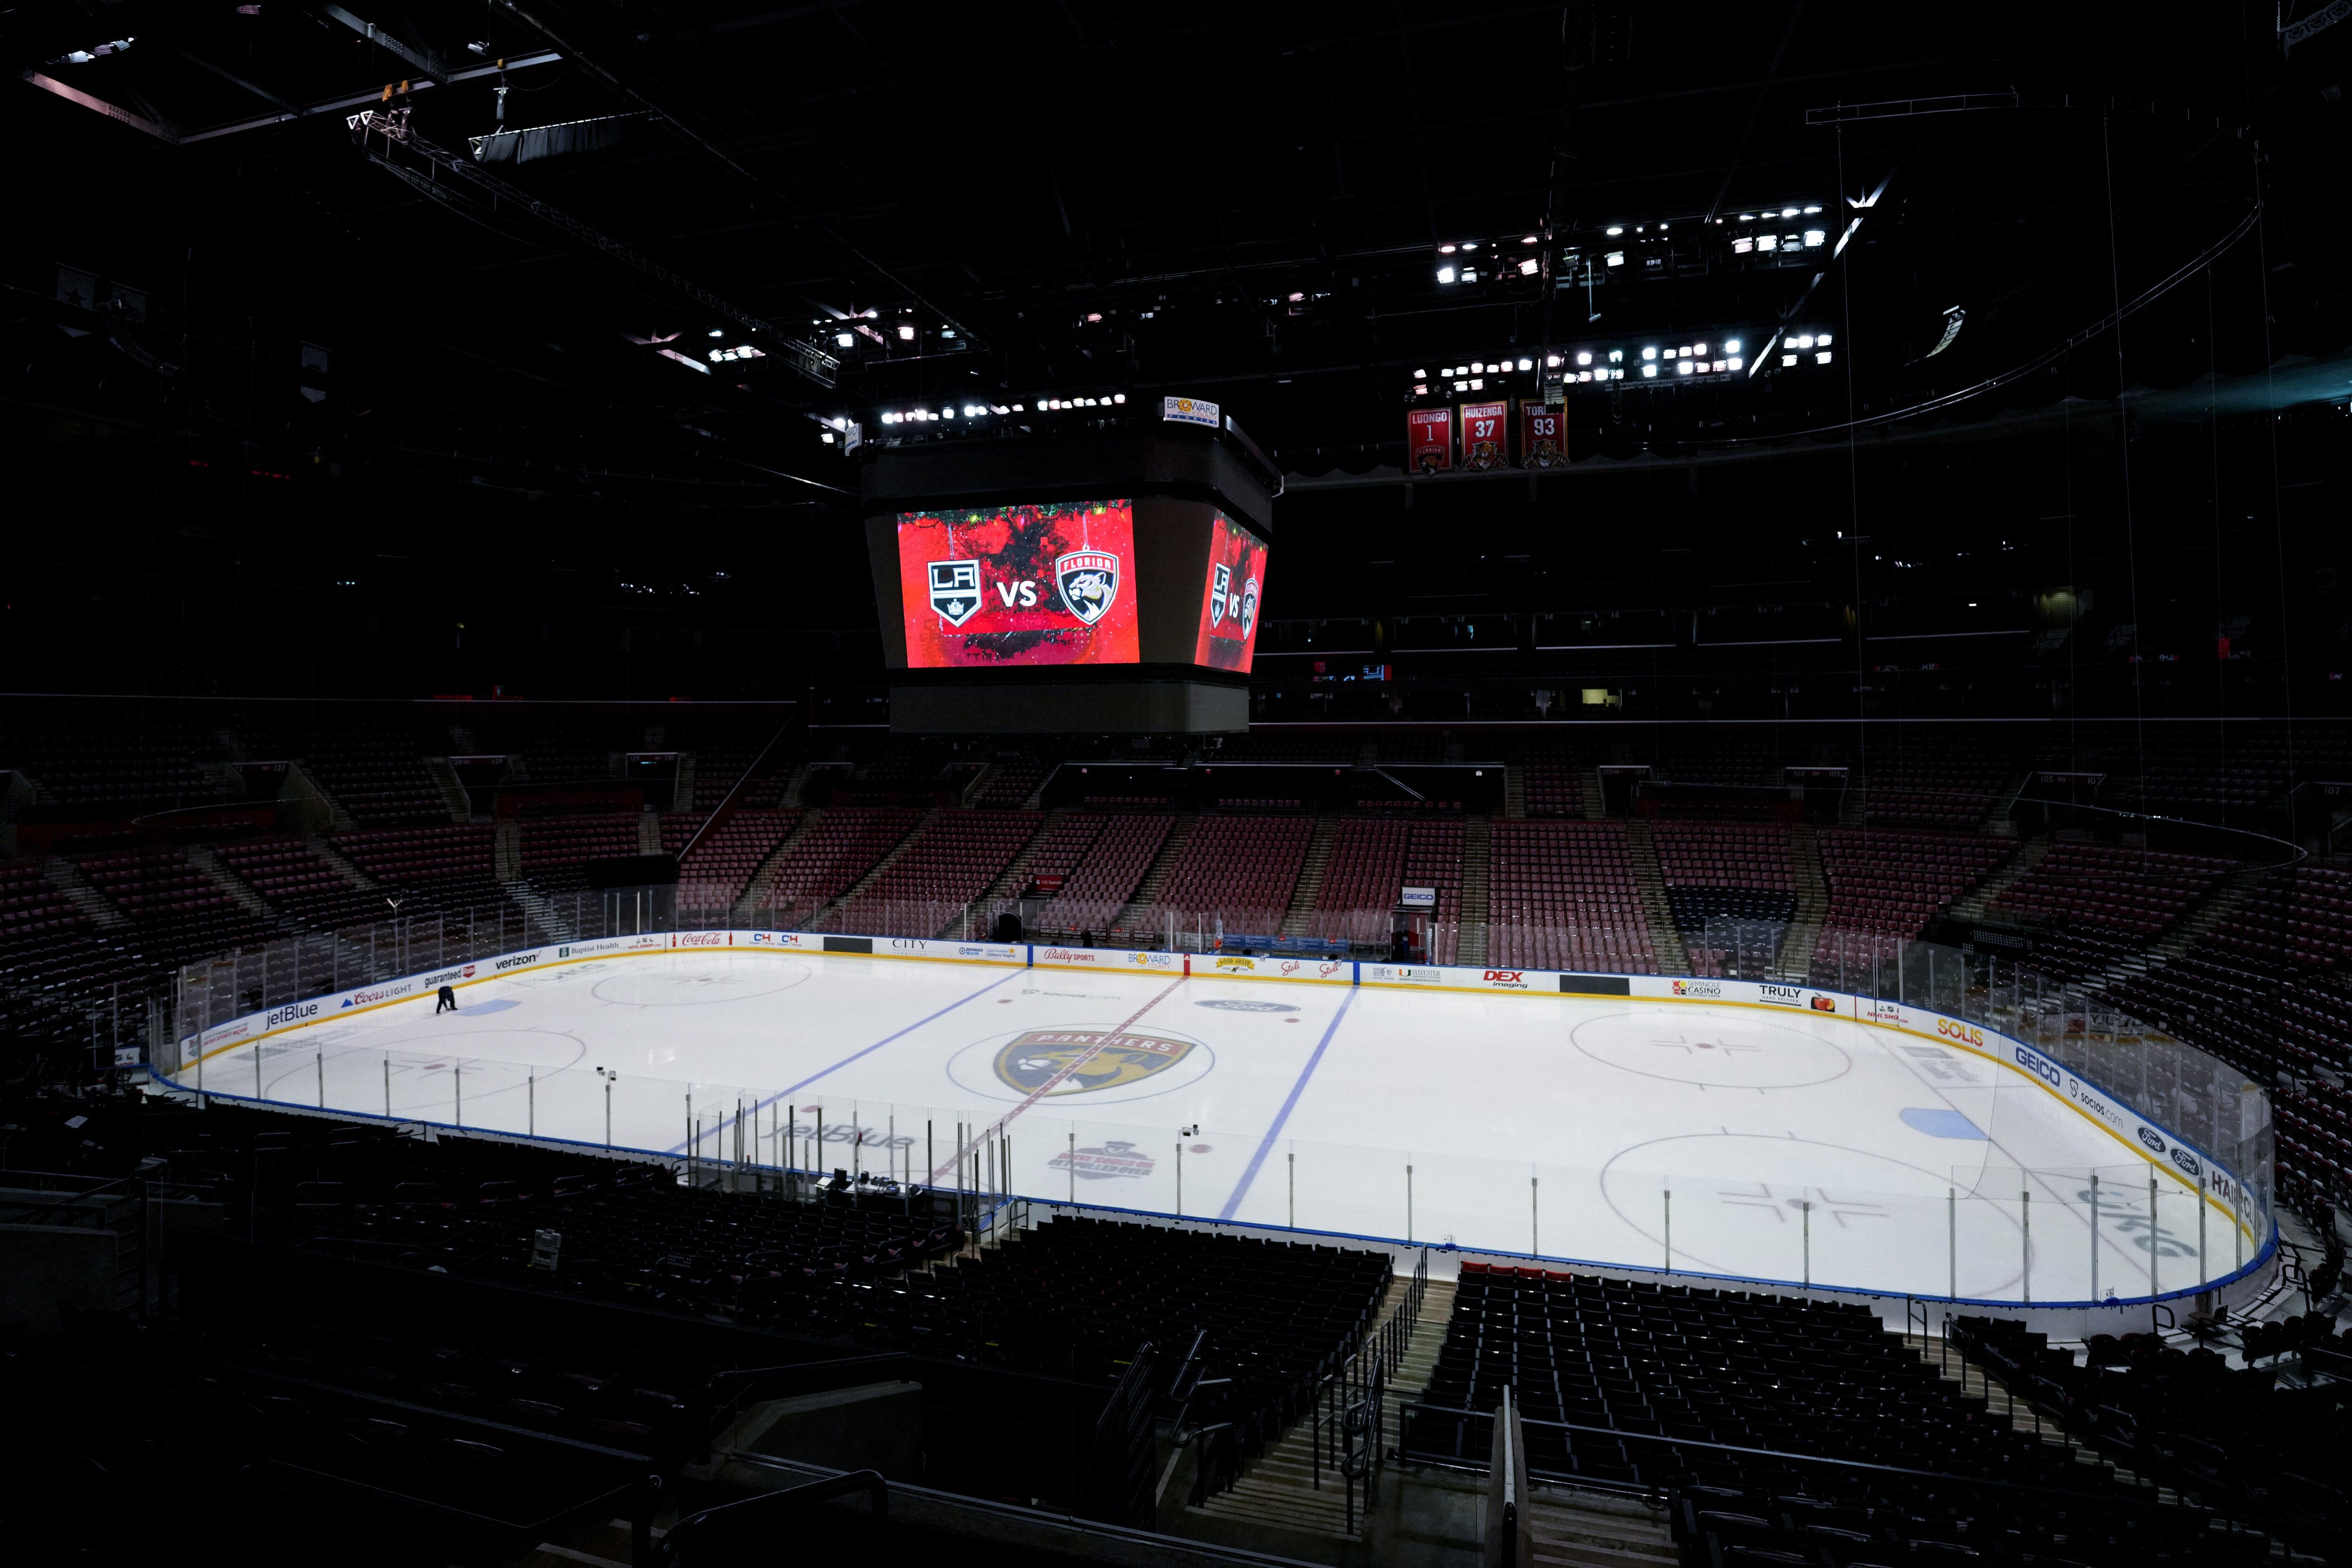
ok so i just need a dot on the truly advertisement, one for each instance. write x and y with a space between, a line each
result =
1019 586
1230 598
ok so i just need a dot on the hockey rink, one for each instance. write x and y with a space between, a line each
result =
1723 1140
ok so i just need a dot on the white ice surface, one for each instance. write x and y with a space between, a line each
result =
1550 1125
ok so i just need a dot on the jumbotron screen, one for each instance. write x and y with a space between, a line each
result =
1230 598
1019 586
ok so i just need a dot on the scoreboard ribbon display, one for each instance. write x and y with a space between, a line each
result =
1543 434
1429 440
1485 435
1020 584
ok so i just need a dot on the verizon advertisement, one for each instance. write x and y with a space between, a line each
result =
1019 586
1230 599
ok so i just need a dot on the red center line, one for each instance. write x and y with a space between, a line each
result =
1043 1089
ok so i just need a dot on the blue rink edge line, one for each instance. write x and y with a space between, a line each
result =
1274 1131
680 1147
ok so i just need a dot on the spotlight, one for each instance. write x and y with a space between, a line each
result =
1446 249
1528 269
718 331
1529 240
1527 364
1615 229
1445 275
846 339
1584 359
905 333
1649 370
1616 259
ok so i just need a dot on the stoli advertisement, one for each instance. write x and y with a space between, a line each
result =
1019 586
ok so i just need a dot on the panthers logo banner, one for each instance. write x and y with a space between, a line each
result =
1103 1060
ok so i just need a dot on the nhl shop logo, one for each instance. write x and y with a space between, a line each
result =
955 590
1089 580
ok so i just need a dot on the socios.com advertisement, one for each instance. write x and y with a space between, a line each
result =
1230 598
1019 586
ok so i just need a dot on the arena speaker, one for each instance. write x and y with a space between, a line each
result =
1107 579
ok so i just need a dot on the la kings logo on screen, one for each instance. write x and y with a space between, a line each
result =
1089 583
955 590
1220 583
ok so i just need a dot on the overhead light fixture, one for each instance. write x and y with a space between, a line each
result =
1529 364
1731 345
1469 275
1421 375
1815 235
1615 229
1649 353
1822 357
1788 212
1528 267
1699 349
905 333
1551 361
1529 240
1445 275
1787 359
1814 208
1446 249
1804 341
718 331
846 339
1822 339
826 436
1469 245
1616 259
1649 370
1584 358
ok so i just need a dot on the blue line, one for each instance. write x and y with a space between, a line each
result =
1265 1145
680 1147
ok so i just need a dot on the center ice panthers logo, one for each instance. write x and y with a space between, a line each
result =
1102 1060
1089 583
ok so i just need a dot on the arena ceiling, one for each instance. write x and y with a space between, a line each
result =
1059 199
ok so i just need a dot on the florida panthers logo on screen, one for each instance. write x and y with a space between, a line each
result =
1249 607
955 590
1220 583
1089 583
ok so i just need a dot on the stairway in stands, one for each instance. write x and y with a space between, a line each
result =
1973 904
1796 958
1155 877
1477 891
761 889
1279 1489
1666 937
1301 913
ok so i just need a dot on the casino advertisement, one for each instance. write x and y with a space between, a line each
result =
1229 605
988 587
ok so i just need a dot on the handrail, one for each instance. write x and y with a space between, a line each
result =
763 1382
719 813
1783 1456
729 1517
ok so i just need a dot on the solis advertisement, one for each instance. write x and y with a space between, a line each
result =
1019 586
1229 605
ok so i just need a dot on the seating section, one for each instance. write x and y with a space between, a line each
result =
1563 895
1928 785
295 880
2132 893
1371 861
1602 1368
2231 1436
1101 862
831 854
948 862
179 912
2302 914
380 778
1076 1296
1895 882
147 762
49 950
1716 870
723 863
446 868
1015 781
1554 789
555 850
1242 869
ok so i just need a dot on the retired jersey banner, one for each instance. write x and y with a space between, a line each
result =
1429 440
1543 434
1485 435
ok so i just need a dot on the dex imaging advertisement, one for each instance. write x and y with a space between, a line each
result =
1229 605
1020 585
